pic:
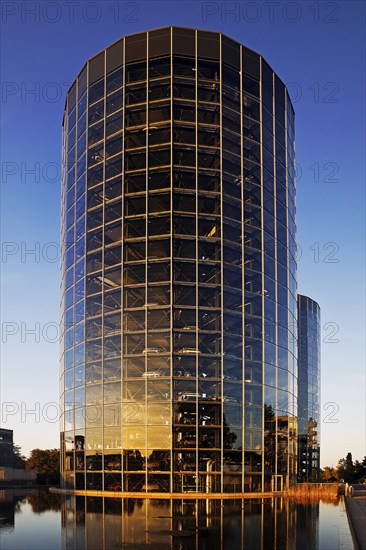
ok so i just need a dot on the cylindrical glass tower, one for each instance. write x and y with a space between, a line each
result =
308 389
178 359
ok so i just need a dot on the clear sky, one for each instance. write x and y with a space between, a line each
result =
318 49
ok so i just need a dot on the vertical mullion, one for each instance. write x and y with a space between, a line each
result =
221 400
74 265
62 311
242 266
103 256
85 218
146 248
171 321
262 247
276 255
197 244
289 299
123 370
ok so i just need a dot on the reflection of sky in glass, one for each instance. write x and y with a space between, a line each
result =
207 525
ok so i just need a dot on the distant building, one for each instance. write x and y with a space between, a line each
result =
17 476
308 389
6 437
10 475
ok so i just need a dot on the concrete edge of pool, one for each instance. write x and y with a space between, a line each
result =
156 495
356 508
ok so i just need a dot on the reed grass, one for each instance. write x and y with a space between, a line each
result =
309 492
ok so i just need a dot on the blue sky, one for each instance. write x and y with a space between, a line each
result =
317 48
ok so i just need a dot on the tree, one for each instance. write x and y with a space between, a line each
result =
43 501
329 474
360 470
351 471
11 456
46 462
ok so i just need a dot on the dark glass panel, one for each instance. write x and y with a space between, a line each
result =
114 102
159 112
184 319
208 70
251 63
112 256
97 134
209 296
135 47
135 183
96 112
112 211
230 52
183 42
135 116
207 91
113 233
159 42
183 89
158 248
134 274
184 295
112 301
135 160
135 94
209 320
135 206
208 273
158 226
96 69
184 271
184 202
158 68
159 156
114 57
208 44
186 113
134 251
160 89
135 139
184 178
158 271
158 295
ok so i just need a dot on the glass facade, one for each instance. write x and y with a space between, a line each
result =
309 389
178 295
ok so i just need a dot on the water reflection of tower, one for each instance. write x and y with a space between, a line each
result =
307 525
106 523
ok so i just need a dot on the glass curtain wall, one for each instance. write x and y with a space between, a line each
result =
178 357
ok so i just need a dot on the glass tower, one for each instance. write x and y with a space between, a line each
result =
308 389
178 294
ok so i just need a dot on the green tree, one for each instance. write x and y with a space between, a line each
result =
346 469
46 461
360 470
328 474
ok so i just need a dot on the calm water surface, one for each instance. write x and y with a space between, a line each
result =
44 521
